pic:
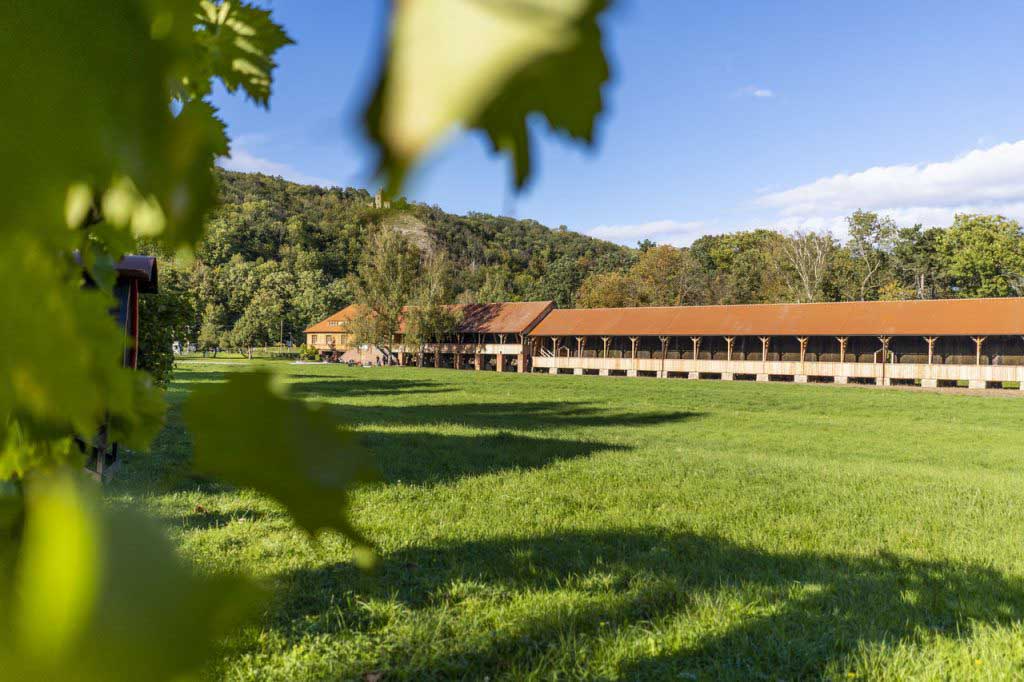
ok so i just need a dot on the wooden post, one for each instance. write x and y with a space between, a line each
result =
764 347
803 347
579 345
885 355
931 347
842 348
605 340
695 340
664 353
978 340
729 340
554 346
437 355
632 341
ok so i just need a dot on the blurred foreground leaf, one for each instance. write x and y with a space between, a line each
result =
68 378
486 64
98 594
249 434
237 42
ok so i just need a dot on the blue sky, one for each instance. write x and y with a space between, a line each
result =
720 116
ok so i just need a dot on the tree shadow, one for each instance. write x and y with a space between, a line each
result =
344 387
421 457
525 416
810 613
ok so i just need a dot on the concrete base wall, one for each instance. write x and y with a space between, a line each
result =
882 374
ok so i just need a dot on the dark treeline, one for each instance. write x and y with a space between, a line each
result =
279 256
976 256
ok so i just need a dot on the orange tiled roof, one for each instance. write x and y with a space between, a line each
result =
477 318
336 323
951 317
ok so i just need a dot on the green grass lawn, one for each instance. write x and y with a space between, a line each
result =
573 527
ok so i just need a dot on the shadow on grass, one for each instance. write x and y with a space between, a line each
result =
326 387
792 615
423 456
429 457
344 387
521 416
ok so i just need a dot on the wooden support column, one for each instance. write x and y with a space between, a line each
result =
437 355
524 348
554 345
632 341
842 348
978 340
499 363
605 340
695 340
765 340
885 347
580 340
664 353
884 380
803 348
457 361
930 340
478 361
729 341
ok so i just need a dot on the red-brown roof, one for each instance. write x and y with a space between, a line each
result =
336 323
957 317
501 318
477 318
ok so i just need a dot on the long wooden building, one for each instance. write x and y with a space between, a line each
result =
974 342
488 336
931 343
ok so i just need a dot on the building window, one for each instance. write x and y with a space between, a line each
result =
312 338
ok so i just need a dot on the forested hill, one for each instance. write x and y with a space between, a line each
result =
277 254
277 257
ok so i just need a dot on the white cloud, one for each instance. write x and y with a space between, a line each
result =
754 91
981 181
243 160
661 231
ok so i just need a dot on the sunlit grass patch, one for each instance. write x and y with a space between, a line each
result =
534 526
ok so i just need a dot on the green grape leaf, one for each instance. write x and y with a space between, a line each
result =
99 594
237 43
487 65
247 432
60 362
121 129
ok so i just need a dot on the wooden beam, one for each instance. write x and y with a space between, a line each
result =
580 340
632 341
764 347
930 340
605 340
803 347
729 340
978 340
842 347
695 340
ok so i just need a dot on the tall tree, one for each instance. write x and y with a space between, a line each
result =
430 318
871 243
984 256
383 286
809 255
